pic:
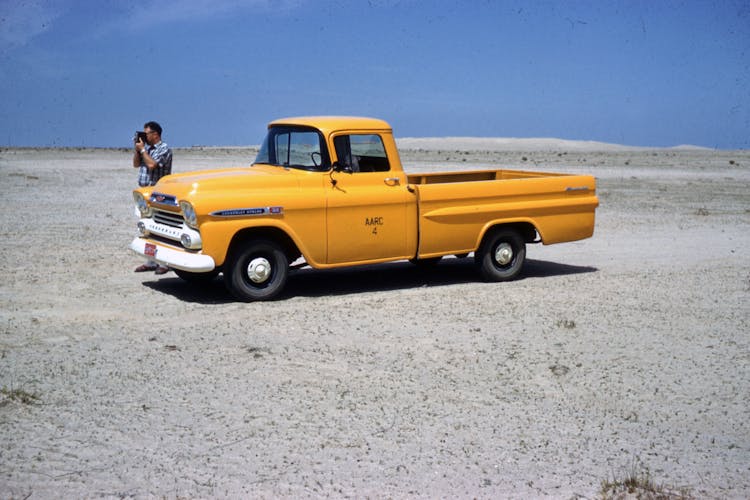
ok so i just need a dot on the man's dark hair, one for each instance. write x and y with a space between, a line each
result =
153 126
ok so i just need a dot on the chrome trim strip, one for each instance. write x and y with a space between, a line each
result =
245 212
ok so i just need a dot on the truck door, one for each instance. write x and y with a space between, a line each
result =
367 208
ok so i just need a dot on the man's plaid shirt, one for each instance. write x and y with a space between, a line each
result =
162 155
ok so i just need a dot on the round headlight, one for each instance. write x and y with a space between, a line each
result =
141 204
189 213
186 240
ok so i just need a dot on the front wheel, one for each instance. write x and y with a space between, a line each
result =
257 271
501 255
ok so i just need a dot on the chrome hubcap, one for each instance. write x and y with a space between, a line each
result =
504 254
259 270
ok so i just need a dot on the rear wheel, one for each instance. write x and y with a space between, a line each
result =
257 271
501 255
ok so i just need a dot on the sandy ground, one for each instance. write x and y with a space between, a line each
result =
627 351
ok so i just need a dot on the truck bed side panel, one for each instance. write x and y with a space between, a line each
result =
455 215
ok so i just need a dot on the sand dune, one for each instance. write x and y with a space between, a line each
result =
518 144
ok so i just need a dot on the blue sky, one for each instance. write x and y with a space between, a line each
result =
214 72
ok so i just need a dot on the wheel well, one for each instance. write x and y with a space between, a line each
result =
269 233
526 229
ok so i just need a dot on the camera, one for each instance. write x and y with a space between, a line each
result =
139 135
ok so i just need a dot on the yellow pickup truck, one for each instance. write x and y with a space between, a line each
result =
330 192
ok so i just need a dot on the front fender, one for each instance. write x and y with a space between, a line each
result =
218 235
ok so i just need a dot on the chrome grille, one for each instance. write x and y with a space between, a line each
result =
168 218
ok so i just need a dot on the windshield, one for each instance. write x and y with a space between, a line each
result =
294 147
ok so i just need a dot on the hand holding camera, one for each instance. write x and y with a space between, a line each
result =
139 140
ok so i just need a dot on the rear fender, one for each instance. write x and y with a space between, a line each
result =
525 228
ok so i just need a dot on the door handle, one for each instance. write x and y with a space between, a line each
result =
392 181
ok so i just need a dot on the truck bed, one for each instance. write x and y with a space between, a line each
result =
455 208
474 176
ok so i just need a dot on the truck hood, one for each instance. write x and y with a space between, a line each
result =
262 177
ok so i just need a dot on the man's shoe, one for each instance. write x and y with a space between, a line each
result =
161 270
145 267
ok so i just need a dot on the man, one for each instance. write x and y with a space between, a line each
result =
153 159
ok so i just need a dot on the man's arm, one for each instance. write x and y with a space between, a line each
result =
158 156
137 146
142 157
148 161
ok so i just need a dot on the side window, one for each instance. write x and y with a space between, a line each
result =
362 152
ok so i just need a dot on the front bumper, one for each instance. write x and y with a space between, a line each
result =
175 258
